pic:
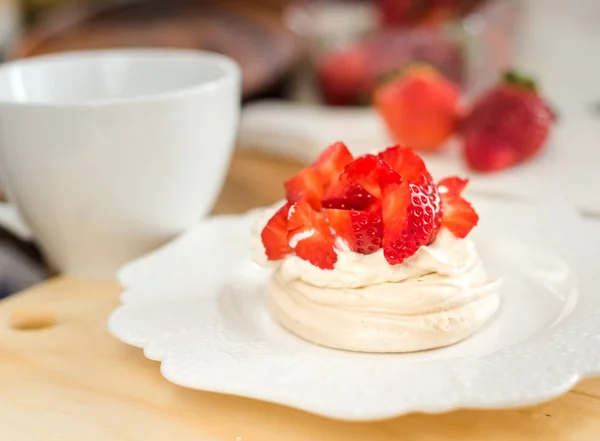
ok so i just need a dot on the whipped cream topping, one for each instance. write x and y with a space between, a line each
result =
434 298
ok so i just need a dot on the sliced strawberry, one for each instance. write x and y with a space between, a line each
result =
452 185
431 190
412 168
346 195
330 164
371 173
362 230
405 162
305 185
316 240
340 223
275 235
301 217
408 220
459 216
317 252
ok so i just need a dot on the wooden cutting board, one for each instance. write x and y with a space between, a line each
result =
64 378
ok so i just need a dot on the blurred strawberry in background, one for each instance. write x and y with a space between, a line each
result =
507 125
419 106
353 43
398 12
342 76
394 13
348 76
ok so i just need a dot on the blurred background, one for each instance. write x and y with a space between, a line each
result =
272 39
324 54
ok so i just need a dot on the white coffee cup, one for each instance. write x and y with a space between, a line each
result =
108 154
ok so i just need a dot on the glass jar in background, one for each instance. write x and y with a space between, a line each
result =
491 34
352 46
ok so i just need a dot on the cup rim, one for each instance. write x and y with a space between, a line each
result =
231 72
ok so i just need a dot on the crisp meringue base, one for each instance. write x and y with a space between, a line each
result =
439 296
405 318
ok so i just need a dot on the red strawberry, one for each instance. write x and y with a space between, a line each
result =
317 246
431 190
411 168
310 183
330 164
506 126
342 74
405 162
453 185
402 13
371 173
459 215
363 230
419 107
408 220
347 195
397 12
440 12
305 185
275 235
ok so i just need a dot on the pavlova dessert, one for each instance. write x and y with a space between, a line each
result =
370 254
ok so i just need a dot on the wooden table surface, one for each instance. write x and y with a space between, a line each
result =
64 378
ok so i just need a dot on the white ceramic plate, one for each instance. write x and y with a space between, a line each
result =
197 306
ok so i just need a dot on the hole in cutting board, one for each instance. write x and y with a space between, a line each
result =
32 319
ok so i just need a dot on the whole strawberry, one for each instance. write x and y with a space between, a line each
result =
398 12
507 125
420 107
342 75
402 13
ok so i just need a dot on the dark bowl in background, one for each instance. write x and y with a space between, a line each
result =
252 33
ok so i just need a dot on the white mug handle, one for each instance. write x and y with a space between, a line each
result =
11 221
